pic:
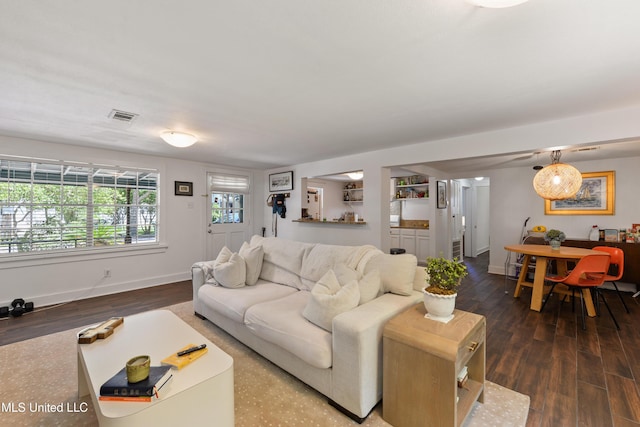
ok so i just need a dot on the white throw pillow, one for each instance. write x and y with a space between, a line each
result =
396 272
253 256
344 274
223 256
328 299
232 273
368 284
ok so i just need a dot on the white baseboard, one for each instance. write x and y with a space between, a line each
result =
496 269
112 288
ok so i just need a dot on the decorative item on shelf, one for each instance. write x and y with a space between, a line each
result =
558 181
554 237
610 235
622 237
443 277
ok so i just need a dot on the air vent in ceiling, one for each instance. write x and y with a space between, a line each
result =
122 116
586 149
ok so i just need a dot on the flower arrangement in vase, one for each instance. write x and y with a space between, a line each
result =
554 237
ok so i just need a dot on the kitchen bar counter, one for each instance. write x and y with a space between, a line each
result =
317 221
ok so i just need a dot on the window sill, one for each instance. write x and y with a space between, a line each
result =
30 259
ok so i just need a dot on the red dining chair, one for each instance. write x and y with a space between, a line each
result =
617 259
589 272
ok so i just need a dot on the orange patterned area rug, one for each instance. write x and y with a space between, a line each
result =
39 388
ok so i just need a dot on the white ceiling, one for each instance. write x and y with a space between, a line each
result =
280 82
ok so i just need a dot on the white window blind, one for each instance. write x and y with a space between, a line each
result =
226 183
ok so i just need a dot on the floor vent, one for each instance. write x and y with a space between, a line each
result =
122 116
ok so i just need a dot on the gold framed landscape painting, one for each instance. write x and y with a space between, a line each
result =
595 197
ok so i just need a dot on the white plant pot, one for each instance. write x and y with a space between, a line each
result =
439 307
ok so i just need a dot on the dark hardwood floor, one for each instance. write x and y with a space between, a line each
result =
574 377
76 314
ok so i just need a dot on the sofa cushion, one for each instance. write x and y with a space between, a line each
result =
396 272
368 284
223 256
252 256
281 323
322 258
233 303
282 260
232 273
329 298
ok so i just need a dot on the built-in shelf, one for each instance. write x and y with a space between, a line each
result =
425 184
410 187
353 192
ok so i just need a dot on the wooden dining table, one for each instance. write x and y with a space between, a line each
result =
543 254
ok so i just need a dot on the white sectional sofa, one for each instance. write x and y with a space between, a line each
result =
284 287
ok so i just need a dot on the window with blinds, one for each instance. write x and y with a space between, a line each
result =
59 206
228 195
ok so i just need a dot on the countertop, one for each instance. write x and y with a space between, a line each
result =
413 224
317 221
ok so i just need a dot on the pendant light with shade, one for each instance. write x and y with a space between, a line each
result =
558 181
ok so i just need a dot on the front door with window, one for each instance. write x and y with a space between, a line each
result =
227 212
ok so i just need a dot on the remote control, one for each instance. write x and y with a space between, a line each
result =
191 350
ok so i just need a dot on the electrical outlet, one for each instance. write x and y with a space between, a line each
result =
107 273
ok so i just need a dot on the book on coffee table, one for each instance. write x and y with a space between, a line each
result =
118 385
179 362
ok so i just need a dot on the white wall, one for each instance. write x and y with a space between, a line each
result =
183 218
48 279
604 126
482 218
513 199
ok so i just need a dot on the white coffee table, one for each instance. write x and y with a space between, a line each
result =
199 394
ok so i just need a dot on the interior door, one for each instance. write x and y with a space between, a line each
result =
228 216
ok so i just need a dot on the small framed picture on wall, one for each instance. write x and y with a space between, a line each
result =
282 181
442 195
183 188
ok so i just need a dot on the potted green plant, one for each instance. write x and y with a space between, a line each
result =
443 278
554 237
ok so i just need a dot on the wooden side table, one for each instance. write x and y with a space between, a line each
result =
421 362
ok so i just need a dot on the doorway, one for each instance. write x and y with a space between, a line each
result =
228 212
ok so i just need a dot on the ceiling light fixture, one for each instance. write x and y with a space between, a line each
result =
355 175
558 181
178 139
496 3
